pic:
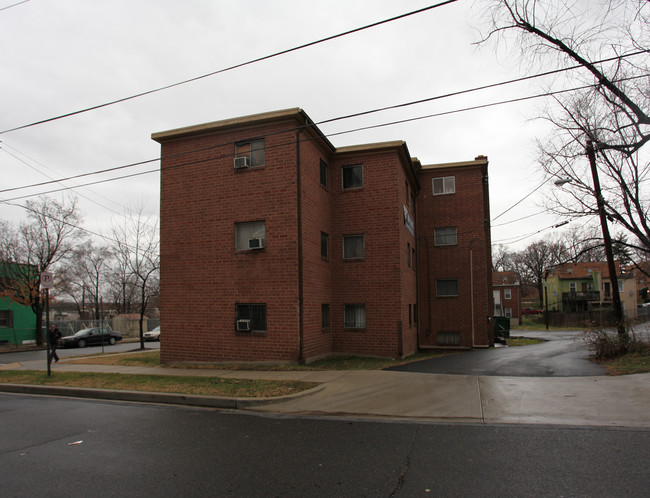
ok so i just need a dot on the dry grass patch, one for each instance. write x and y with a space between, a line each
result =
350 362
206 386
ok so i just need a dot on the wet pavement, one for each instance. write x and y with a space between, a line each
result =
563 354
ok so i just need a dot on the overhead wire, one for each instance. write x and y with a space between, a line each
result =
236 66
391 123
13 5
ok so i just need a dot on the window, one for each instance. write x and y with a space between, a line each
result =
250 235
507 293
323 173
413 259
407 191
447 287
415 313
445 236
6 318
408 254
573 287
253 150
256 313
410 316
324 245
509 312
325 316
620 286
353 247
355 316
352 176
444 185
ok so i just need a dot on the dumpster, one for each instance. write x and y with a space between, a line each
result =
501 327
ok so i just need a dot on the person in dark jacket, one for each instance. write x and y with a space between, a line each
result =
55 336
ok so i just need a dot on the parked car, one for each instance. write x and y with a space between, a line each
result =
152 335
532 311
91 337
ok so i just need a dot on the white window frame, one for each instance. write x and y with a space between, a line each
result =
253 150
446 185
507 293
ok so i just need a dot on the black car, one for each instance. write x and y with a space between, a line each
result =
91 337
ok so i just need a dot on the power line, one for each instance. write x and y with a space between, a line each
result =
236 66
415 102
233 142
13 5
4 147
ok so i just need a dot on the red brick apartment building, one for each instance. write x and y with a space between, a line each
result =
278 246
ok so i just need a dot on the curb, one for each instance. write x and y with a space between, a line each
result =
152 397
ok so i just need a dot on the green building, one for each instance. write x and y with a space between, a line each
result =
17 322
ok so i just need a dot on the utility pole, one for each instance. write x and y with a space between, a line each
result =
616 298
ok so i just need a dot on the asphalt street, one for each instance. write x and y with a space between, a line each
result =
563 354
64 447
10 355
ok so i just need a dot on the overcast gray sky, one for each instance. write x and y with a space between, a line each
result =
65 55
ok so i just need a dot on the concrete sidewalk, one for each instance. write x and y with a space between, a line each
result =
596 401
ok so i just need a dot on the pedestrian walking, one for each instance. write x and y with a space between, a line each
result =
55 337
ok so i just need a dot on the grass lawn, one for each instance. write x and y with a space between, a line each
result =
522 341
183 384
152 359
631 363
180 384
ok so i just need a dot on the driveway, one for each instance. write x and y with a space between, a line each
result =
563 354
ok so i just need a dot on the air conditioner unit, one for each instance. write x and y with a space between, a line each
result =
241 162
243 325
256 243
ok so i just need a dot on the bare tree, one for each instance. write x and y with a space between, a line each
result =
86 278
37 245
137 249
533 262
608 40
502 258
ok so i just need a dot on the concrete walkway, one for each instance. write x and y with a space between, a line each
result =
622 401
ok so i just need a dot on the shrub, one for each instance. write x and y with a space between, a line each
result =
608 344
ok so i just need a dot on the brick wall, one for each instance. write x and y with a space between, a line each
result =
469 261
203 276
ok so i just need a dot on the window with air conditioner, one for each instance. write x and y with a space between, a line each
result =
250 317
249 153
444 185
250 235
